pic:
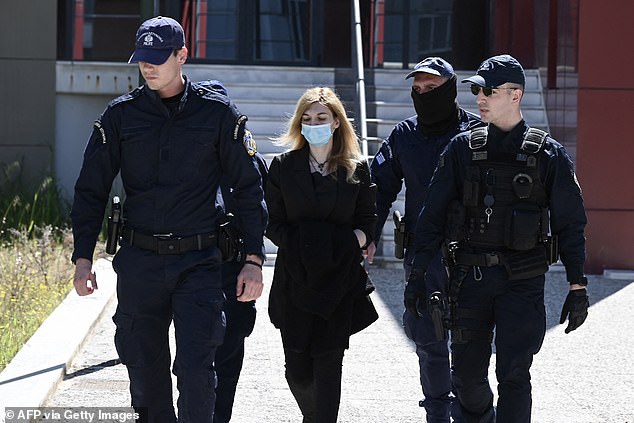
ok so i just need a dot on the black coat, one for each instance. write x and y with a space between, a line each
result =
319 295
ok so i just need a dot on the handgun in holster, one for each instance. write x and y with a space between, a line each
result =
229 239
552 249
437 307
400 235
115 223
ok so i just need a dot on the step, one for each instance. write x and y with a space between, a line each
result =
277 108
268 92
262 75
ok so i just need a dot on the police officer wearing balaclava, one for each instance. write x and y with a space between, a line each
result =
509 191
410 154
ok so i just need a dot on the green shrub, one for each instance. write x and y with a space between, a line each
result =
26 208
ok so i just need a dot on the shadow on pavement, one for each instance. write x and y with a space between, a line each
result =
92 369
389 283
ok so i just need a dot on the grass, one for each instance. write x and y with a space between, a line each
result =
35 248
35 276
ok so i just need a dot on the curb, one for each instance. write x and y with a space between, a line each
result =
41 363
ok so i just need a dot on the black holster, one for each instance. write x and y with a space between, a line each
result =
230 243
439 311
400 235
115 223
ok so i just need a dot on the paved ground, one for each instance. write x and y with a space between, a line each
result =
583 377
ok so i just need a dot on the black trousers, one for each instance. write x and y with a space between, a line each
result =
315 382
230 355
153 290
516 309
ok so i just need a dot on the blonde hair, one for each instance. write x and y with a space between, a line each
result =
345 143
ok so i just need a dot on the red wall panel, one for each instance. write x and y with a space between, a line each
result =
606 31
605 141
605 148
610 236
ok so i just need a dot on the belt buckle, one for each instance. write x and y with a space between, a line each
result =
167 243
492 259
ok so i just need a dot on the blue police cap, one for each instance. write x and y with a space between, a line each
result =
498 70
434 66
156 38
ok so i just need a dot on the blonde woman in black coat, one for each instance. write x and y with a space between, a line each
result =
321 215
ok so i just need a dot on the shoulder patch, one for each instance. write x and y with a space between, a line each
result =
242 120
249 143
379 159
99 128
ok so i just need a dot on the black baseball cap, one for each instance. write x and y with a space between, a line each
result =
434 66
156 38
498 70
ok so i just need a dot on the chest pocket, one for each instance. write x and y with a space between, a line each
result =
139 156
194 151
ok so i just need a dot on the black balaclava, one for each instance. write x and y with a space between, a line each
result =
437 109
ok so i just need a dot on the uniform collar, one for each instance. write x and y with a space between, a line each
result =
153 95
514 136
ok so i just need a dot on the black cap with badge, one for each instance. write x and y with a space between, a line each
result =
156 39
498 70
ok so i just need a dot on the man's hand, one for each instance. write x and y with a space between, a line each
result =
371 251
84 275
575 309
414 296
249 285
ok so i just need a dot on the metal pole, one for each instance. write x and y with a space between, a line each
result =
552 45
360 80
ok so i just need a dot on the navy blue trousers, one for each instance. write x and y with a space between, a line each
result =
433 356
152 291
230 355
516 310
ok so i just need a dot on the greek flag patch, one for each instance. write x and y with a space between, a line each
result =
379 158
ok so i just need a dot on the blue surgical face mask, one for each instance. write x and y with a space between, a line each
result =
317 134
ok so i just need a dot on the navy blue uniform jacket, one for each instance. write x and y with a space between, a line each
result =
171 165
411 155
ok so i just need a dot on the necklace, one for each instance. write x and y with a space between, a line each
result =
320 166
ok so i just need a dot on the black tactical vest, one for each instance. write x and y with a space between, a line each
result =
504 197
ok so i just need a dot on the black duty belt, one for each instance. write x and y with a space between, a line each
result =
478 259
168 243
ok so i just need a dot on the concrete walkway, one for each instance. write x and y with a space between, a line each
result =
583 377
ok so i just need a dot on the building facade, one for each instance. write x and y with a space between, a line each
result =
573 45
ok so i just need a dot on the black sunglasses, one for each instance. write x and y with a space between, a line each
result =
487 91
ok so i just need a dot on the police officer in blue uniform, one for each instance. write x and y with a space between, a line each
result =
171 140
240 315
492 200
411 154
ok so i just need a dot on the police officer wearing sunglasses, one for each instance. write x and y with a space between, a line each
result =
501 197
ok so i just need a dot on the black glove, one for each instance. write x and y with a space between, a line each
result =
575 308
414 296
